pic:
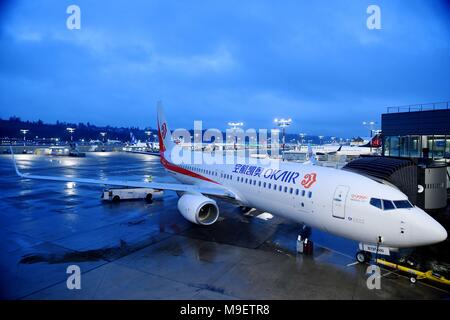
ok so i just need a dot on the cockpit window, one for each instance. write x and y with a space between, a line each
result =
388 205
403 204
376 202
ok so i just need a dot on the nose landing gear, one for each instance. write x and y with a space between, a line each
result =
363 256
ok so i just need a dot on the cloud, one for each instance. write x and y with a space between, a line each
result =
29 36
219 61
314 61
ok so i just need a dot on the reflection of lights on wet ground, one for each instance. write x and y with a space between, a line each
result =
70 185
69 163
103 154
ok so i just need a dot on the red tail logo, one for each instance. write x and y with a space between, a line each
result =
308 180
164 130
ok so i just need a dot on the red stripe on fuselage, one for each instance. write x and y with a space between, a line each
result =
172 167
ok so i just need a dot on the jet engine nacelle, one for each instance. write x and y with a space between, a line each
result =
198 209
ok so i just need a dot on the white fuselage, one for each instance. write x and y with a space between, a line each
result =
332 200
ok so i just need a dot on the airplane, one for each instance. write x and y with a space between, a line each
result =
372 146
340 202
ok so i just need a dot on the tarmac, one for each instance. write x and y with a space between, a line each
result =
136 250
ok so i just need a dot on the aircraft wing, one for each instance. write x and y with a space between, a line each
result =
135 184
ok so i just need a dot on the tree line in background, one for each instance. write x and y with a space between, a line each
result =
11 128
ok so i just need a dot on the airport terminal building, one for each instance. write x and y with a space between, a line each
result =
417 132
421 135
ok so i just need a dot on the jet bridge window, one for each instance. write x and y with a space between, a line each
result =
388 205
403 204
376 203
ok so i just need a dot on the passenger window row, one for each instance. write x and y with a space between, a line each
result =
226 176
390 205
274 187
207 172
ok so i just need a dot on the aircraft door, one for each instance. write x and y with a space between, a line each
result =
339 199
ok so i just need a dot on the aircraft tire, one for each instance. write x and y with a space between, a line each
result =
361 257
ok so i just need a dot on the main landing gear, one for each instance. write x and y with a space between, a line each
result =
304 245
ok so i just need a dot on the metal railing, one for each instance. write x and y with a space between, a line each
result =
420 107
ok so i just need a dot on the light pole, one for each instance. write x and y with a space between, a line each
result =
103 134
370 125
71 131
235 126
148 133
321 138
302 137
24 131
283 123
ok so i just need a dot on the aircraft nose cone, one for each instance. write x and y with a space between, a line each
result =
439 232
430 231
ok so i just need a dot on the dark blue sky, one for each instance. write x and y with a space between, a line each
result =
218 61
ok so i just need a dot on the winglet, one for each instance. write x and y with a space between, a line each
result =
14 162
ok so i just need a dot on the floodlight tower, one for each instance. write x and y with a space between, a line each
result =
103 134
321 139
148 133
71 131
302 137
370 125
24 132
235 126
283 124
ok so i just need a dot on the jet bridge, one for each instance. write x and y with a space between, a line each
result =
425 185
400 172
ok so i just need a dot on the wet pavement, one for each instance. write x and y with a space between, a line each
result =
136 250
